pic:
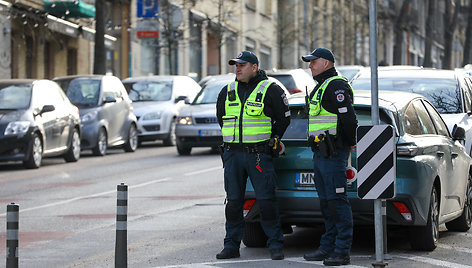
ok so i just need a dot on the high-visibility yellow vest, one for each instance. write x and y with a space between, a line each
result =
320 120
256 126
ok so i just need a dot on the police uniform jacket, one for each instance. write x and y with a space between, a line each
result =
337 99
275 103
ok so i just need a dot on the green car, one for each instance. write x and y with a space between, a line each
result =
433 173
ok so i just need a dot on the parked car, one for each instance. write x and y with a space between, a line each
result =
157 101
105 111
349 71
433 173
197 125
37 120
449 91
295 80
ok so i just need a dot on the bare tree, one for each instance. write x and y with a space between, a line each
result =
450 23
400 25
99 61
170 32
429 34
468 38
286 31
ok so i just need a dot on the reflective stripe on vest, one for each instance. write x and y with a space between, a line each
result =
320 120
256 126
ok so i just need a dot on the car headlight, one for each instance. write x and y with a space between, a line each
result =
185 120
89 117
152 116
17 127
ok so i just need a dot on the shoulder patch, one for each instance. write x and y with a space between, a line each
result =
284 98
340 97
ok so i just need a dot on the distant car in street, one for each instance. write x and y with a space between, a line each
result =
197 125
105 111
157 101
37 120
449 91
295 80
433 173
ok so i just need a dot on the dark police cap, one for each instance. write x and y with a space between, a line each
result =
320 52
243 57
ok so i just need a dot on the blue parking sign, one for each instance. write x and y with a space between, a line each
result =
148 8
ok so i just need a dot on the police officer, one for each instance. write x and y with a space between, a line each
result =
253 114
332 131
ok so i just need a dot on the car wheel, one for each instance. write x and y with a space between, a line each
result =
462 224
102 142
36 153
170 140
426 237
73 153
253 235
132 142
183 150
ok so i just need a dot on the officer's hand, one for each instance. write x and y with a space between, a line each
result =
274 144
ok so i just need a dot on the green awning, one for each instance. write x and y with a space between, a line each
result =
69 9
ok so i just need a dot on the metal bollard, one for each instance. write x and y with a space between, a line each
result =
121 247
12 235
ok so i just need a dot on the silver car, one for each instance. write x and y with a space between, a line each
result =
156 102
197 125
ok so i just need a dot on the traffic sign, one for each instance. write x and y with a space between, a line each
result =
376 162
147 34
147 8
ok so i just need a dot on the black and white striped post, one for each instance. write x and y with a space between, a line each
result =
12 235
121 245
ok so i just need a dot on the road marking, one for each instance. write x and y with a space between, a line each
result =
302 260
461 249
88 196
434 261
202 171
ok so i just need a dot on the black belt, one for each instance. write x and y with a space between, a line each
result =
248 148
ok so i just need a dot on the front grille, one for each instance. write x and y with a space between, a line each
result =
206 120
152 127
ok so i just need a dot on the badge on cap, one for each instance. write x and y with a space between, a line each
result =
240 55
340 97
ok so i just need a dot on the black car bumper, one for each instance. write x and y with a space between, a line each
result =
15 148
200 141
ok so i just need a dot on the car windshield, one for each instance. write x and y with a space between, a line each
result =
442 93
285 79
149 90
209 92
83 92
15 97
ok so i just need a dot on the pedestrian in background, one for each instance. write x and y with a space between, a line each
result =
253 114
332 136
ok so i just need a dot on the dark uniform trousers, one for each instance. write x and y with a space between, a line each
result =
238 166
331 184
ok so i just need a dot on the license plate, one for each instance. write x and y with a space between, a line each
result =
305 179
209 133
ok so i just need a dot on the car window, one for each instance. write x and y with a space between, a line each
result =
149 90
411 123
209 92
285 79
15 97
83 92
425 121
467 88
441 127
442 93
297 130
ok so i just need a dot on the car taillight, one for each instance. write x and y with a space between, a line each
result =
247 206
295 90
403 209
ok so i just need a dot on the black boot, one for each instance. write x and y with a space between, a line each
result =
318 255
337 260
228 253
276 254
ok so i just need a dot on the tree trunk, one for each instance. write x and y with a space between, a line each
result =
399 26
468 38
99 60
429 34
449 29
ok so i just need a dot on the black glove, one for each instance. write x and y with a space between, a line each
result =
274 144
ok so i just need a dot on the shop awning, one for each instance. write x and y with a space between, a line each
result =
69 9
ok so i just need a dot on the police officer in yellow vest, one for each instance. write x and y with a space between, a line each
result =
332 127
253 114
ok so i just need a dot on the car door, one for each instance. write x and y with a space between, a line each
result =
459 168
48 120
114 111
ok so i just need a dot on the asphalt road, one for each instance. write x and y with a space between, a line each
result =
175 216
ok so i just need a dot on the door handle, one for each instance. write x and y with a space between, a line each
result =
440 154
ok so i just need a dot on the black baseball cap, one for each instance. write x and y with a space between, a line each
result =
245 56
320 52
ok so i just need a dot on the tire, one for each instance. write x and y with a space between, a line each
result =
462 224
426 238
253 235
170 140
100 148
132 141
73 153
183 150
35 153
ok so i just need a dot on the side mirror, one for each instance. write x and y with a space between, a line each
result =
180 98
47 108
458 133
109 100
